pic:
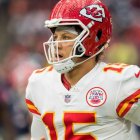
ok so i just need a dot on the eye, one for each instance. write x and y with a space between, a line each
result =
66 37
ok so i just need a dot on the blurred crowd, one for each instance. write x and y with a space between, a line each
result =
22 34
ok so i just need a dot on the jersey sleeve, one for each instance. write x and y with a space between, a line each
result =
29 99
128 98
37 126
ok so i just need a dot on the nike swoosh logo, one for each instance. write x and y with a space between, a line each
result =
137 74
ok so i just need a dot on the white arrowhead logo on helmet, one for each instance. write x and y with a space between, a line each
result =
94 12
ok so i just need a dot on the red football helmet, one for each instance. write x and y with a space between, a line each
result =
93 18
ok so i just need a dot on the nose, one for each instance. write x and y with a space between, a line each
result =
60 46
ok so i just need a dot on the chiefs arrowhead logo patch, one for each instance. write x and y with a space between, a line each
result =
94 12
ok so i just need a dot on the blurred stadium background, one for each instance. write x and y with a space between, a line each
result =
21 36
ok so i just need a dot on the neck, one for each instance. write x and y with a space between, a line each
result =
79 71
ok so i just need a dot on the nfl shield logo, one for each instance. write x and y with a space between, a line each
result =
67 98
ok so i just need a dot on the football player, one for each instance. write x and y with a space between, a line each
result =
79 97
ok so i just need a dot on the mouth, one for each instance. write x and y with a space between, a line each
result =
59 57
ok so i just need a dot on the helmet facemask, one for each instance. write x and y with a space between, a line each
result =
78 50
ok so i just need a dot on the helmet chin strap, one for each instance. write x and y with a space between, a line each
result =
64 67
92 56
68 65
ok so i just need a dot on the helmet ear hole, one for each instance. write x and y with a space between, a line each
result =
98 35
79 50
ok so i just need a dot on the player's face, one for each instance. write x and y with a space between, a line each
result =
65 43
